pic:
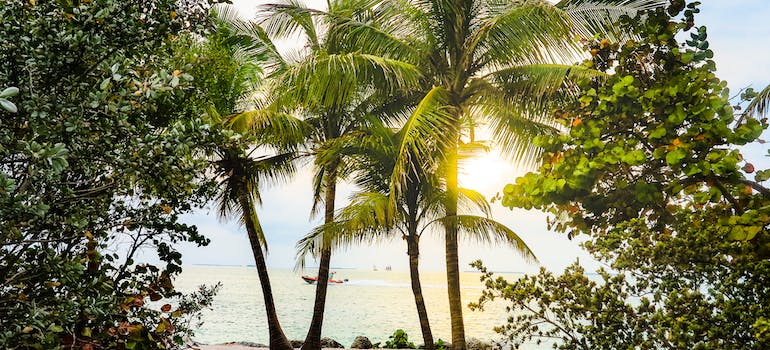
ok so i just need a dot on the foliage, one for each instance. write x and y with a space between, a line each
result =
5 103
98 161
652 174
399 340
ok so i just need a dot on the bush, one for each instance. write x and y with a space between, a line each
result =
97 160
399 340
651 174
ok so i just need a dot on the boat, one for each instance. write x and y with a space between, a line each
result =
312 280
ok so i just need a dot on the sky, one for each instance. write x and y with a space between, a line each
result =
738 34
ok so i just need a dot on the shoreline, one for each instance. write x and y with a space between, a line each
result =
471 343
236 346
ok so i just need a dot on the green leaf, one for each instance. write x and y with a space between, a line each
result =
658 133
675 157
8 105
762 175
9 92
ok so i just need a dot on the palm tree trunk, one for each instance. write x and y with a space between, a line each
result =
413 249
452 264
313 338
278 339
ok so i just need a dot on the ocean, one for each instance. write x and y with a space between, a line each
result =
372 303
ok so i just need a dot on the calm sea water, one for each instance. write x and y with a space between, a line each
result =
372 303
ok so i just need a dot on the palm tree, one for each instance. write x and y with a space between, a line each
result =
493 62
233 76
238 195
419 208
326 83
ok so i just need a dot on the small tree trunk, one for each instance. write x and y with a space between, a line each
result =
413 249
313 338
278 339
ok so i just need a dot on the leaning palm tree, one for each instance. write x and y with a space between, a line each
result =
503 64
324 83
234 75
419 208
240 176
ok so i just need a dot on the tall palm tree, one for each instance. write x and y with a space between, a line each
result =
325 83
419 208
494 62
234 75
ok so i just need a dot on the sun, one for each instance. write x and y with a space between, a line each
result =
487 173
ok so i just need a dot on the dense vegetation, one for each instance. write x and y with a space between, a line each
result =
652 173
96 160
117 117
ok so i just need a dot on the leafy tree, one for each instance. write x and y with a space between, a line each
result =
96 158
651 172
419 208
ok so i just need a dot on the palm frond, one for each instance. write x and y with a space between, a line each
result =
542 81
600 17
240 179
429 121
269 127
251 211
514 123
287 19
249 37
525 32
272 169
484 230
364 220
760 105
468 150
382 29
319 176
331 81
469 200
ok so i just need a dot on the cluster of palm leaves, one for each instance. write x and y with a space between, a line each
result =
389 95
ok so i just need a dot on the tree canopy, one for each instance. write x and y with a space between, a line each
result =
98 159
652 173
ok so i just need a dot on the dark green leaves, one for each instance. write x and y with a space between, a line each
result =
100 146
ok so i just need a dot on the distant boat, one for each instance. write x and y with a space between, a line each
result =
388 268
312 280
374 267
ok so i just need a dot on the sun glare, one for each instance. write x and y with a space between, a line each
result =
486 173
